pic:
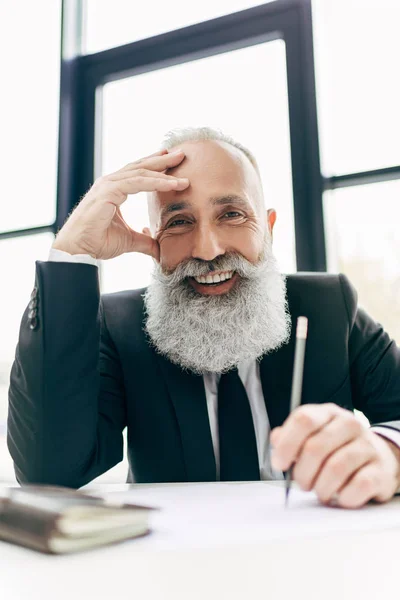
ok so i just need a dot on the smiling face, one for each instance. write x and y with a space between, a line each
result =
221 212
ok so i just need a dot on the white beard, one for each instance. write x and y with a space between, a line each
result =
215 333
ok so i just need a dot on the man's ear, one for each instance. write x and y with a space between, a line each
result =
271 218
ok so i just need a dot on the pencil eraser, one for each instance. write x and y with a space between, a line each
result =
301 331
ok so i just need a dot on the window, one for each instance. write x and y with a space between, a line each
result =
30 37
363 241
357 48
109 24
29 108
251 108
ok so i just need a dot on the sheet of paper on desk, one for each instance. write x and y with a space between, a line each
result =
215 514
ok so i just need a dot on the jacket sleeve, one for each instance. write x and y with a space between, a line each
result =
374 365
67 406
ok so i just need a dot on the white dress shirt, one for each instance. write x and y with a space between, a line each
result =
249 373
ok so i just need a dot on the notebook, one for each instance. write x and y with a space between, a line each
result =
58 520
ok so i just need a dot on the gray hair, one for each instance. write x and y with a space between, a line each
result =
176 137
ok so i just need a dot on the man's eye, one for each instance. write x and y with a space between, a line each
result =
232 213
177 222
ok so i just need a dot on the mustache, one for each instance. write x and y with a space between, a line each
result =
192 267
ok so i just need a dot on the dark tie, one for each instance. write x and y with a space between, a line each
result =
237 440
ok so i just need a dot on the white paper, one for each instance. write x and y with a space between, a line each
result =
209 515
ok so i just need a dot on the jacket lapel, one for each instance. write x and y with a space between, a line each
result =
188 397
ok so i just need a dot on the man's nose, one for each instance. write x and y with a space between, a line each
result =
206 245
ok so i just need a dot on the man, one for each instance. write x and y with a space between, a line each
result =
198 366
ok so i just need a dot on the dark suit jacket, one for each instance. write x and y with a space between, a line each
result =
84 371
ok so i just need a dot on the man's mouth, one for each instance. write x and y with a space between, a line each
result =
214 283
213 279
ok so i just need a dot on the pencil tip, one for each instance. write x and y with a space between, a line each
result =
286 497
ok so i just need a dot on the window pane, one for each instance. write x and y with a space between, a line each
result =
357 49
251 108
109 24
363 242
17 260
29 107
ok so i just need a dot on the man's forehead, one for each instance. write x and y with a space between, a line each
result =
211 157
215 170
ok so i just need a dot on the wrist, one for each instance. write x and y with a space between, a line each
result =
394 448
396 451
69 248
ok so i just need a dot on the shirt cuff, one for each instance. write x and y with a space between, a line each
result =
388 433
61 256
391 435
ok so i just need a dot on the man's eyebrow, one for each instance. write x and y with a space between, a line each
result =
174 207
230 199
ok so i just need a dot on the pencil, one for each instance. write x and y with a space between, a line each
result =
297 384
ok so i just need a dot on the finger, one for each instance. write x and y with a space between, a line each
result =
168 161
116 192
341 466
275 435
158 153
362 487
142 173
157 163
300 424
137 162
319 446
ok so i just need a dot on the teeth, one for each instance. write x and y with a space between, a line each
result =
214 278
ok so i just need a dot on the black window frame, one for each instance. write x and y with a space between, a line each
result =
82 76
289 20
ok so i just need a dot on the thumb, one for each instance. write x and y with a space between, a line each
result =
137 242
145 243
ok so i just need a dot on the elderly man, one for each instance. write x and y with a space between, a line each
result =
198 366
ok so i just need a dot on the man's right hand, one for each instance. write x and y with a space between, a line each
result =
96 226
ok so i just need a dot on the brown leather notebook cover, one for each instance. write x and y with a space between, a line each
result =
58 520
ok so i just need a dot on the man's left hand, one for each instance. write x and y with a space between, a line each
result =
336 456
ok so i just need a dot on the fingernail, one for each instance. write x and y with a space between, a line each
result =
177 151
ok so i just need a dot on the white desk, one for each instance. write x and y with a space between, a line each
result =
340 566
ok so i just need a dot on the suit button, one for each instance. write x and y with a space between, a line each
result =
34 293
32 314
33 323
32 304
